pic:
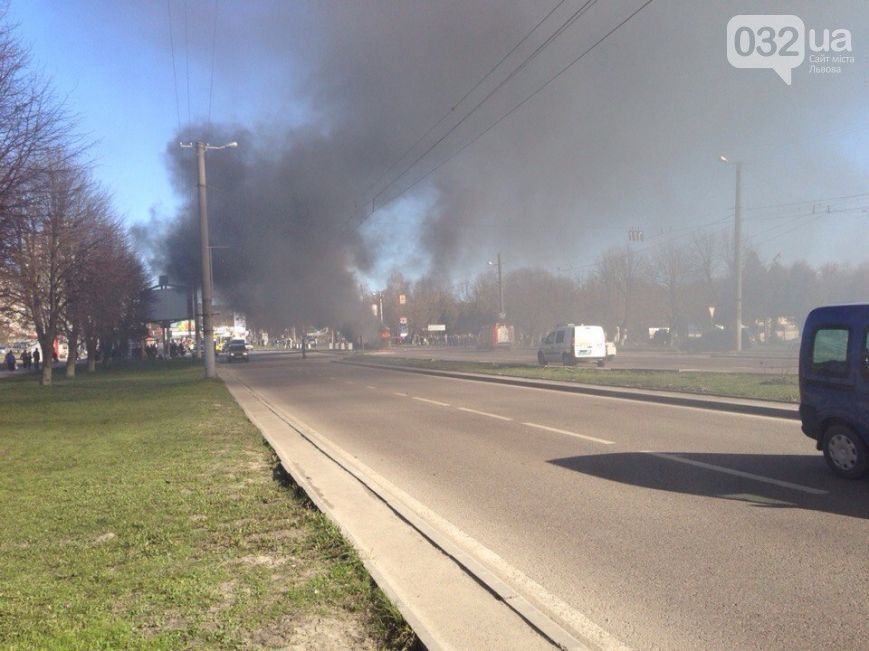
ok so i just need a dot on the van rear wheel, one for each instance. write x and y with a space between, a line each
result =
845 452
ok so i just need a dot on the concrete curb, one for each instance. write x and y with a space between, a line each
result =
545 625
731 405
427 637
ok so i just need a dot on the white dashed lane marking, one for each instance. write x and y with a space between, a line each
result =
567 433
738 473
483 413
432 402
670 457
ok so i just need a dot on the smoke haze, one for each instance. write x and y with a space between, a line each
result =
324 97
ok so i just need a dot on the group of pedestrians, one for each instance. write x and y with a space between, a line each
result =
28 360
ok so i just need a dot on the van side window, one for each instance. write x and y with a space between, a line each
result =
559 338
830 352
548 339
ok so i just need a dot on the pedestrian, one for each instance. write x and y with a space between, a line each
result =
36 357
10 361
26 359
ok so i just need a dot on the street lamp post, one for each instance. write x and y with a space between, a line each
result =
205 253
737 244
501 313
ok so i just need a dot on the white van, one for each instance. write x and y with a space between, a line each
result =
571 343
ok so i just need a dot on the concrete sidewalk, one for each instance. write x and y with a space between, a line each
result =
449 597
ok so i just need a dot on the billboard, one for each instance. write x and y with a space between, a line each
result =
169 304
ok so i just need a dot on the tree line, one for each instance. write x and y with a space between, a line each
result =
671 285
67 267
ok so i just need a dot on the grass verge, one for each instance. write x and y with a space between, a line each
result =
141 509
773 386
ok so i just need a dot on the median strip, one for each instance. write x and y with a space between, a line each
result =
734 405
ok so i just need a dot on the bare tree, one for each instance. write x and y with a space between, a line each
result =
81 280
539 300
706 258
617 271
33 130
673 267
113 294
46 237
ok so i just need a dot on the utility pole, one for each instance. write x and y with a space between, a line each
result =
205 253
737 252
737 246
501 313
737 242
196 323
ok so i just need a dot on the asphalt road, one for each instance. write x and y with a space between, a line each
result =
669 527
748 362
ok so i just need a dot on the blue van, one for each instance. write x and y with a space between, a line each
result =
834 386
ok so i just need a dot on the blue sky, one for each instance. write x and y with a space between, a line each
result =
123 103
110 61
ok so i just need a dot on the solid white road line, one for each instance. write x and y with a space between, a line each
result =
483 413
400 394
566 433
431 402
738 473
368 386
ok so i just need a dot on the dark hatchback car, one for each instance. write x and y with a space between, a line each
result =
834 386
237 350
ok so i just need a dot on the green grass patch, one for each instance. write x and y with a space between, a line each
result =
141 509
772 386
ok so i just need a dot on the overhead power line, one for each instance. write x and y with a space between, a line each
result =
564 26
479 83
213 51
516 107
174 73
187 57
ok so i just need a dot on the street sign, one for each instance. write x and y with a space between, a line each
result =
402 299
437 327
403 320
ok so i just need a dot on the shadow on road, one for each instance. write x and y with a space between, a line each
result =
843 497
